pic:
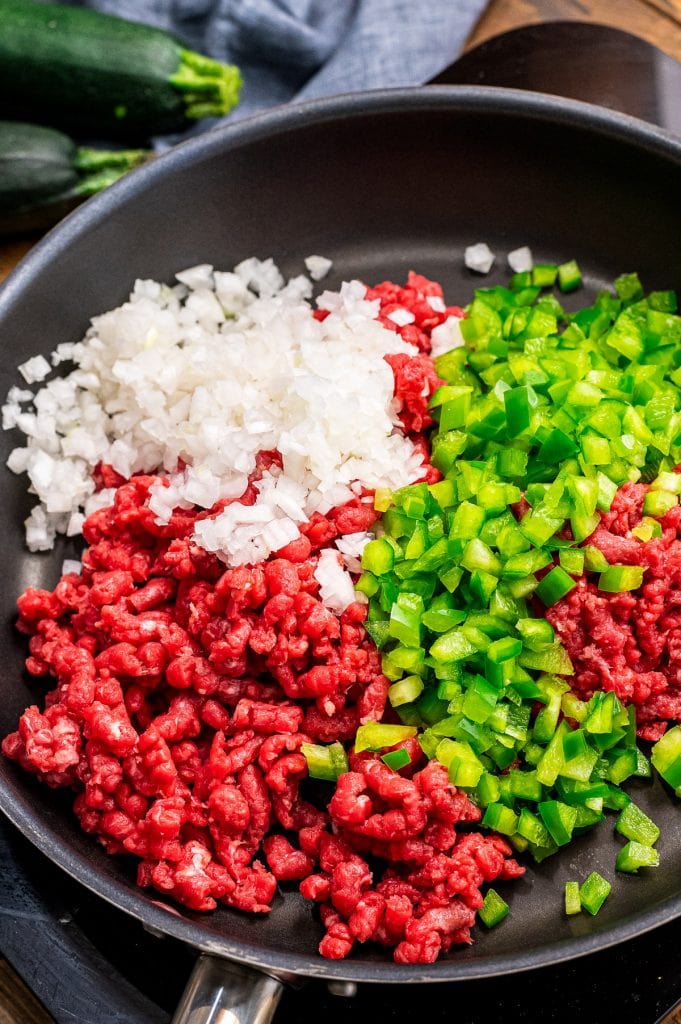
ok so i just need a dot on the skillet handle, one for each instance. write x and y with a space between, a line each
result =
222 992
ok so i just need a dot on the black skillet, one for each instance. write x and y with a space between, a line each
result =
381 183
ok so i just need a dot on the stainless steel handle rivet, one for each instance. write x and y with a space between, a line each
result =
344 989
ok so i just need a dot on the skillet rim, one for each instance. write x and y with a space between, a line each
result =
16 807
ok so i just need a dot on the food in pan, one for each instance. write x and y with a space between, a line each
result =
375 594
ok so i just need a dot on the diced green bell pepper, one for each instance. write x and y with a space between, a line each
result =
634 824
666 757
378 736
501 819
493 909
594 892
378 557
554 586
635 855
325 762
573 902
619 578
396 759
559 819
405 691
569 276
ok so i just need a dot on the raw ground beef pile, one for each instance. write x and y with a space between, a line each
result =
184 691
183 695
426 900
630 642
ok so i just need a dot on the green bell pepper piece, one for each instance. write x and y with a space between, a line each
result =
594 892
493 909
635 855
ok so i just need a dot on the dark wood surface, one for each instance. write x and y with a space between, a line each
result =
656 21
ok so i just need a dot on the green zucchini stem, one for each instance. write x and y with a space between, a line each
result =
87 160
209 88
99 179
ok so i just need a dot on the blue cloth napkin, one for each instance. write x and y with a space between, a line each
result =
300 49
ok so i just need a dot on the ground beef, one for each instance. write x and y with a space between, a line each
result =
426 901
185 690
423 298
173 713
630 642
415 382
183 694
415 377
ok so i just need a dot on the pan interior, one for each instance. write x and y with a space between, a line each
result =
381 186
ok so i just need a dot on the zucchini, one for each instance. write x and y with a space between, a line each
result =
43 174
93 73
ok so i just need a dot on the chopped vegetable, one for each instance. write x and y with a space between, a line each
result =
493 909
573 902
636 855
405 691
501 819
560 820
569 276
325 762
479 257
618 578
666 757
520 260
594 892
377 736
378 557
637 826
396 759
548 414
556 584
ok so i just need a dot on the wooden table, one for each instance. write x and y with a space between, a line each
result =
656 21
